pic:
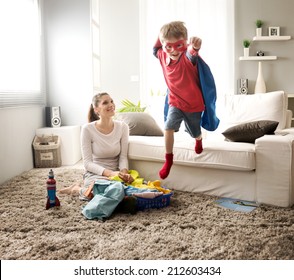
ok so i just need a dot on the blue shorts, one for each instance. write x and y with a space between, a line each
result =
192 121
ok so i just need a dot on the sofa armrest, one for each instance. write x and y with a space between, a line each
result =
274 170
285 131
289 116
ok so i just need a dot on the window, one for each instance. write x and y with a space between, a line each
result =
212 21
21 75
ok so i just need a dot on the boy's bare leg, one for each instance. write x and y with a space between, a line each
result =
169 141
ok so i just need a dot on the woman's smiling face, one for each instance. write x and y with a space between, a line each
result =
106 106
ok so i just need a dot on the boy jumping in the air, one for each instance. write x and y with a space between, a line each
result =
178 62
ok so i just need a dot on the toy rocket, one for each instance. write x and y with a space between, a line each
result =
52 199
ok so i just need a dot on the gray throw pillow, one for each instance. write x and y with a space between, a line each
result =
249 132
140 123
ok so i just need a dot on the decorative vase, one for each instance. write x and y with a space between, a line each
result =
246 52
258 32
260 84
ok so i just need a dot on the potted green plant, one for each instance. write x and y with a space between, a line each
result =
130 107
258 24
246 45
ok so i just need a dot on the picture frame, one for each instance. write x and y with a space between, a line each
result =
274 31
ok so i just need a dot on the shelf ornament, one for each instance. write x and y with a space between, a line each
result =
260 86
274 31
246 45
258 24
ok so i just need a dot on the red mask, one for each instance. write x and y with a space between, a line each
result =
179 46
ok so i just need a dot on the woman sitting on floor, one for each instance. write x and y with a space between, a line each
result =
104 143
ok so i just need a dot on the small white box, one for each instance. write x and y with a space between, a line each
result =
70 145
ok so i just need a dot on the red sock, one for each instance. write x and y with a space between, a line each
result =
198 146
163 173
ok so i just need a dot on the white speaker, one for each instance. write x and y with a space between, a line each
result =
242 86
53 116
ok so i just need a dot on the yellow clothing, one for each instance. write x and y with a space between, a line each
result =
153 185
139 182
134 174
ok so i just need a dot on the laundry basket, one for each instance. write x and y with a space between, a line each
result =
157 202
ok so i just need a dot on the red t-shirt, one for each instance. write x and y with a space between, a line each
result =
182 80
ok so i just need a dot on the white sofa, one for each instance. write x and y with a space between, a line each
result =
261 172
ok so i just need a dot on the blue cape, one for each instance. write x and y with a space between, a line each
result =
209 120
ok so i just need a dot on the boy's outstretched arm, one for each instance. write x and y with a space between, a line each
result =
157 46
193 49
194 45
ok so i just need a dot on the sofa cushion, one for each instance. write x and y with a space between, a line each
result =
216 154
236 109
249 132
140 123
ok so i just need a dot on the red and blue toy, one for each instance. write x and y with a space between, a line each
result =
52 199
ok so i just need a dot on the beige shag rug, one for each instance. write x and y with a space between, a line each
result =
192 227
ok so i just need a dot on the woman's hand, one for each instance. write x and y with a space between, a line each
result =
123 175
126 177
109 173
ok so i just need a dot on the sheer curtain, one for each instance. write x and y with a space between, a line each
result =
211 20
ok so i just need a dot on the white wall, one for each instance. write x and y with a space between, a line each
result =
68 58
18 127
68 54
120 53
278 74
